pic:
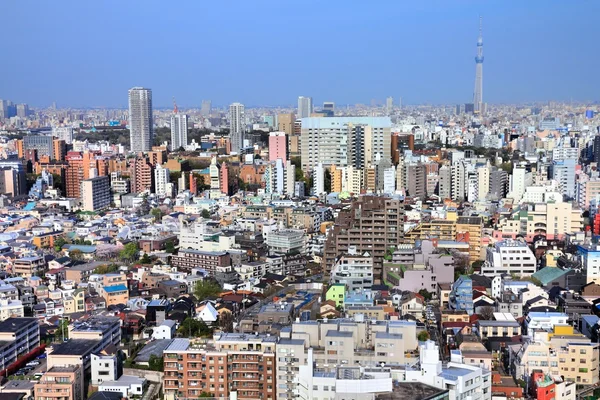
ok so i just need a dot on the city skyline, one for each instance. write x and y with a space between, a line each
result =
433 67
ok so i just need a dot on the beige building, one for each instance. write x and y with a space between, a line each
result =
561 352
75 303
61 383
95 193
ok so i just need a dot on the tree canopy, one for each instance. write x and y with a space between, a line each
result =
207 289
191 327
129 252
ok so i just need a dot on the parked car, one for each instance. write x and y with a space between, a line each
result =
33 363
42 356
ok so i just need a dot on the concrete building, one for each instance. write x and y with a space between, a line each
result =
105 367
95 193
242 363
179 130
354 271
340 141
42 144
63 133
285 241
11 308
141 175
305 107
162 182
372 224
17 336
61 383
564 173
237 127
141 122
509 257
277 146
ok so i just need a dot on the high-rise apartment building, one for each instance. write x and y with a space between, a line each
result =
141 175
43 145
372 224
179 129
277 146
285 123
237 126
343 141
95 193
305 107
141 122
63 133
389 105
162 181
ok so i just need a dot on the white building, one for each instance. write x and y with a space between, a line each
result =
11 308
127 385
519 181
564 173
95 193
104 368
141 122
319 180
305 107
509 257
166 330
349 382
237 126
162 181
353 270
284 241
461 380
63 133
179 128
544 320
389 180
290 178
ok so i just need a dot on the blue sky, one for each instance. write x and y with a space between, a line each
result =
268 52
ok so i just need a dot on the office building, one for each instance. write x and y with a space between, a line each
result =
329 108
319 180
305 107
564 173
95 193
179 129
237 127
12 178
389 105
42 144
206 108
277 146
285 123
63 133
22 110
141 122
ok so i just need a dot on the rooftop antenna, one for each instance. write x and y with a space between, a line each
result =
175 110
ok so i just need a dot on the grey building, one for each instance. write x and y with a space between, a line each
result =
43 145
498 184
141 123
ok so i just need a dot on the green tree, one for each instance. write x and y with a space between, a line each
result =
156 363
426 295
205 214
145 259
76 255
174 176
170 247
63 330
206 289
106 269
423 336
59 242
129 252
191 327
157 214
327 181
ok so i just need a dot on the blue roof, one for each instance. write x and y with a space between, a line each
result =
30 206
549 274
115 288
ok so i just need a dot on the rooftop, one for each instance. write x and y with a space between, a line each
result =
78 347
14 324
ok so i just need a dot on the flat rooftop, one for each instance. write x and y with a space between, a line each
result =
412 391
77 347
14 324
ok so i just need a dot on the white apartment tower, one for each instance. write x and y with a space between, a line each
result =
236 126
141 123
161 181
179 128
305 107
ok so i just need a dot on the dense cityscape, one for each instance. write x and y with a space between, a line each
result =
380 251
